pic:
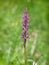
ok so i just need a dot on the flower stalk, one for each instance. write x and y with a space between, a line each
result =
25 33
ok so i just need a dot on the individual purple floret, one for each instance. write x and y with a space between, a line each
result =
25 26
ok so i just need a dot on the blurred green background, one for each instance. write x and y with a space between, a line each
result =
11 13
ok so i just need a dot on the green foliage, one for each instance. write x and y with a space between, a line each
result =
11 13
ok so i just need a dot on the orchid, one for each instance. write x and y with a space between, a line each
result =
25 26
25 33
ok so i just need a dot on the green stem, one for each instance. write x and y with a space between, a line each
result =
25 54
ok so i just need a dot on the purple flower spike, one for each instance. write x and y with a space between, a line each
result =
25 26
25 33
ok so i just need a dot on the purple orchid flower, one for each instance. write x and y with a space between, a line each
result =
25 26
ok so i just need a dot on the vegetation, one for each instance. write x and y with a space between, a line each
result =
11 49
